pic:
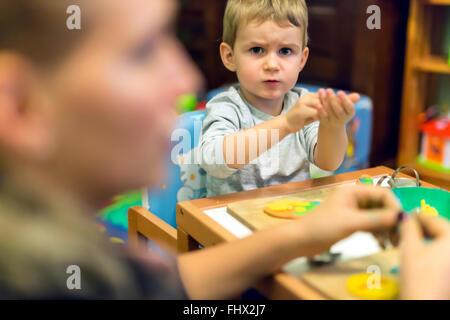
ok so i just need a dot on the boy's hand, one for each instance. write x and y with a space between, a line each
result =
338 109
304 112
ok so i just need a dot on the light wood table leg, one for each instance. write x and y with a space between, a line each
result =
185 242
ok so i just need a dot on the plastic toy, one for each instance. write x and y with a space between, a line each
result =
186 103
435 151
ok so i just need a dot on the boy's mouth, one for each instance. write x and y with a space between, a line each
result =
272 82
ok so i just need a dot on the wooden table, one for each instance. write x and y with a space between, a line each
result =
194 227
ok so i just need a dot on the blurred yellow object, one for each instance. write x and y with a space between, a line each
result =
427 209
283 205
358 285
116 240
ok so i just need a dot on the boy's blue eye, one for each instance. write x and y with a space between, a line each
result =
256 50
286 51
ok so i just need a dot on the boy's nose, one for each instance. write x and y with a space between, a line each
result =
271 63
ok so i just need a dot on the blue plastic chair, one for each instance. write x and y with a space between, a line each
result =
155 220
162 201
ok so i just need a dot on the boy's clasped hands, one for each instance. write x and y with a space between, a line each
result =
332 110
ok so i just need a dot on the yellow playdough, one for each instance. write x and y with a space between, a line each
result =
283 205
358 286
427 209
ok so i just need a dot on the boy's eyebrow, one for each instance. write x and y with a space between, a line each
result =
292 45
261 43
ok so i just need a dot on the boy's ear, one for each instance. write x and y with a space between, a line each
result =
305 55
22 129
226 53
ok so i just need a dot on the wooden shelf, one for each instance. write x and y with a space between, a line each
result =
432 64
423 20
429 175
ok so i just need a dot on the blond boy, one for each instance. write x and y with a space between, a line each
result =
263 131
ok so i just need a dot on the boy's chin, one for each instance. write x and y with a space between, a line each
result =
273 95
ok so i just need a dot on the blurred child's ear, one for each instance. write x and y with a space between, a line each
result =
22 129
305 55
226 53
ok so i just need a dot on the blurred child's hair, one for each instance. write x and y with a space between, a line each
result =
37 29
282 12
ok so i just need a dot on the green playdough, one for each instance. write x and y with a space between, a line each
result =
367 181
303 210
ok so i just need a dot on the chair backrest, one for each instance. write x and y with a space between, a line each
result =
184 181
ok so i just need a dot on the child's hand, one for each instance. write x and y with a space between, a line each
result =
338 109
304 112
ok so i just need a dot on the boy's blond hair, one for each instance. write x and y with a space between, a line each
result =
282 12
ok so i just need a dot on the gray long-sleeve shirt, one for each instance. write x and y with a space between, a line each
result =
287 161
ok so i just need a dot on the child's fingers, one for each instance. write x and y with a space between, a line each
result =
354 97
334 103
312 100
346 103
322 95
326 102
323 115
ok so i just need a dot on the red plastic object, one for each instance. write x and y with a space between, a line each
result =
439 127
201 105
